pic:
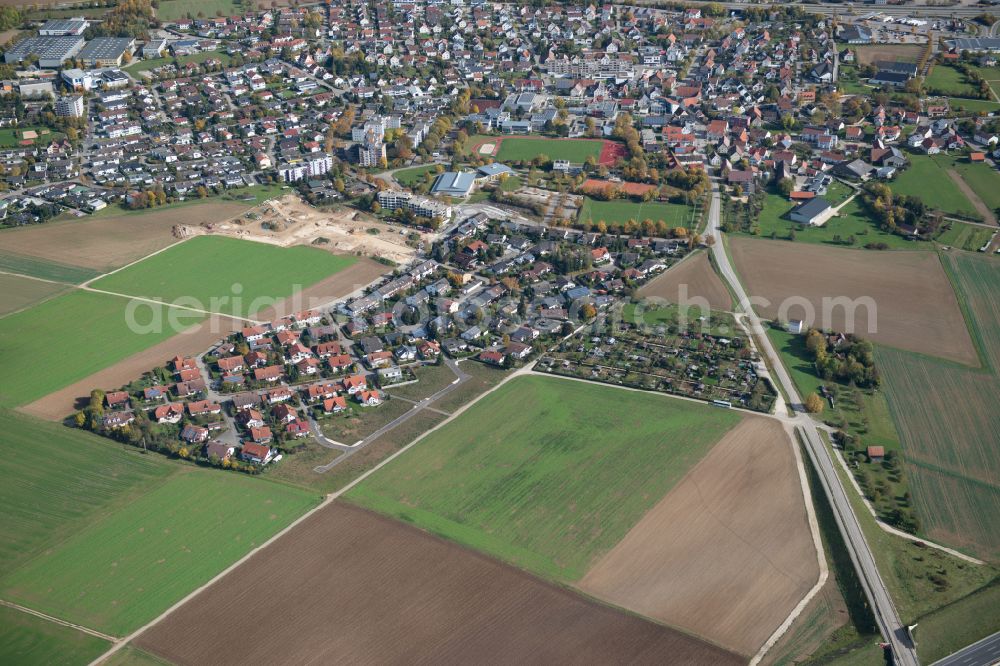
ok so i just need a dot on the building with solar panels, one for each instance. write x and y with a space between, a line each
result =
52 52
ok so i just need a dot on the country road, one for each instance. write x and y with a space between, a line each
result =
892 628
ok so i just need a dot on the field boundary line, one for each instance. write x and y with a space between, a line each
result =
824 570
889 528
165 304
50 618
35 277
86 284
326 502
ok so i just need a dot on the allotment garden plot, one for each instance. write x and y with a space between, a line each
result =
707 359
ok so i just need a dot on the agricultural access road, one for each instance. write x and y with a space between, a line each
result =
892 628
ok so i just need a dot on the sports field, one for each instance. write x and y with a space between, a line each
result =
27 640
69 337
927 178
416 175
619 211
127 567
947 420
225 275
575 150
546 473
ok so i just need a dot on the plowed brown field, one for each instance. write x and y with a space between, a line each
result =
915 303
349 586
697 276
728 553
105 243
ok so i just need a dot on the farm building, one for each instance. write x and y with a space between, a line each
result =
813 212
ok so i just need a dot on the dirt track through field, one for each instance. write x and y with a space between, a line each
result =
60 404
971 195
104 243
728 553
915 307
349 586
692 278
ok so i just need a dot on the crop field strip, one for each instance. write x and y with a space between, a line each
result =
97 320
18 292
371 577
108 538
18 264
539 477
90 329
239 268
948 427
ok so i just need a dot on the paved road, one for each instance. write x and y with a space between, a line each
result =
892 628
984 653
460 378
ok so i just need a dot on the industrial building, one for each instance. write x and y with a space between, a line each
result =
106 51
51 52
64 27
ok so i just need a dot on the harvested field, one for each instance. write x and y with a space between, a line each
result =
869 53
366 589
106 243
17 293
725 554
916 307
696 275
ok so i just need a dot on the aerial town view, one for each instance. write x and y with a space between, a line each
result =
470 332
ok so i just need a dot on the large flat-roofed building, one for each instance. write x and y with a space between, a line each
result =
106 51
63 27
974 44
454 183
35 88
51 52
